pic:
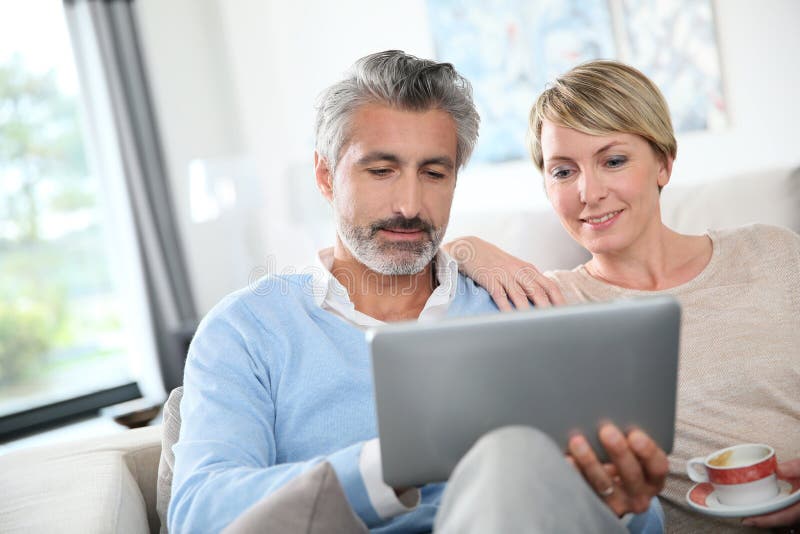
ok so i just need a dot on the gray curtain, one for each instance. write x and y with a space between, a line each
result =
110 28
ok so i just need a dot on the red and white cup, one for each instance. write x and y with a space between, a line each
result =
743 474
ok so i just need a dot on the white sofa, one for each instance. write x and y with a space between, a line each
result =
96 486
109 485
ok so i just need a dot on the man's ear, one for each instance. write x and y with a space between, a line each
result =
324 176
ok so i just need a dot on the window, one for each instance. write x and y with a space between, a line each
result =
73 316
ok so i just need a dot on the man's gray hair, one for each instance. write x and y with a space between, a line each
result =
401 81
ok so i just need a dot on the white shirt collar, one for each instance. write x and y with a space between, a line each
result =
331 295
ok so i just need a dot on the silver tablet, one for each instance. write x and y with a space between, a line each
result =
441 386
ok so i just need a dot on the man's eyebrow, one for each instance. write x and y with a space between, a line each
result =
444 161
373 157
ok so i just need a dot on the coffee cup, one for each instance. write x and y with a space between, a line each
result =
741 475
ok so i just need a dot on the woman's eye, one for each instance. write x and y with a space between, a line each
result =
560 174
616 162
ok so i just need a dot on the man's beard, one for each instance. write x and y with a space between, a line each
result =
390 257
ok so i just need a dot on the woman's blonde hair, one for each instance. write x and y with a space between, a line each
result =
600 98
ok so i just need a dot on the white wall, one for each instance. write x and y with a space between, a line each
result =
186 59
238 78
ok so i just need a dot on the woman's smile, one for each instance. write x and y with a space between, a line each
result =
602 221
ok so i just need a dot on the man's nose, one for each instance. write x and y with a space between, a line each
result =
592 187
407 195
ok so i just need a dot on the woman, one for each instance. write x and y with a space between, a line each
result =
603 139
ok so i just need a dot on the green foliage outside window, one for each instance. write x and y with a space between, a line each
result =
54 282
24 341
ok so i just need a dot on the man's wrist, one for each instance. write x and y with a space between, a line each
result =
387 501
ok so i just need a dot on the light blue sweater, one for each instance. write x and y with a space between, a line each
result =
274 385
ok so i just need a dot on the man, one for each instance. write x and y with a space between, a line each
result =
278 414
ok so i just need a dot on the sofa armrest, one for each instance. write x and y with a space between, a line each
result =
90 486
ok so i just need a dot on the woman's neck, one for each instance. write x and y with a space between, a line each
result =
663 261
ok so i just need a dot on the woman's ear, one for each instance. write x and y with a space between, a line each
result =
324 176
665 171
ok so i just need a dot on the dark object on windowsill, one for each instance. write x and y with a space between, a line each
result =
138 418
134 414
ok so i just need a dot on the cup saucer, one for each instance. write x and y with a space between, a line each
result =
702 498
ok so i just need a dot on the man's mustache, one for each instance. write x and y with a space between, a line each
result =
401 223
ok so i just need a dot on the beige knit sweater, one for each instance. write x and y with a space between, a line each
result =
739 373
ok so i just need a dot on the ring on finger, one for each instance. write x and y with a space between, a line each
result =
608 492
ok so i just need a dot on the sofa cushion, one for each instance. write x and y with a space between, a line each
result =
311 503
169 436
89 486
768 197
